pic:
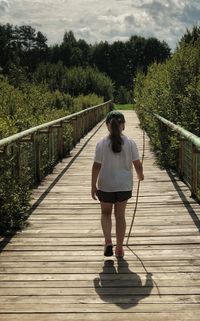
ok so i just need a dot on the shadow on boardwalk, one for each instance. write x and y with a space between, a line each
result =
121 286
182 196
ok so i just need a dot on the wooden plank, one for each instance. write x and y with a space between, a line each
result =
93 269
7 290
115 277
97 248
83 258
98 307
161 282
94 264
71 254
100 299
137 247
93 240
110 316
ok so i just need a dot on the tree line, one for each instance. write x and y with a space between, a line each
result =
23 49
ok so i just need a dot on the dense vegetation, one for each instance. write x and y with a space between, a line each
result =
171 89
22 108
23 49
31 105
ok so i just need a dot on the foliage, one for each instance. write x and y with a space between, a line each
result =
75 81
14 197
121 60
123 95
124 106
83 102
172 90
32 105
191 36
20 109
23 48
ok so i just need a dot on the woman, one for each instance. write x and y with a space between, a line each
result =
112 178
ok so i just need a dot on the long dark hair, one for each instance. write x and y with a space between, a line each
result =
115 135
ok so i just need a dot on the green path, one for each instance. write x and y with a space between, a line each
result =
124 106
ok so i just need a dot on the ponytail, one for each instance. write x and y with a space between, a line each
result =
115 136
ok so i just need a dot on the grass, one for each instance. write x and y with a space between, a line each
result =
124 107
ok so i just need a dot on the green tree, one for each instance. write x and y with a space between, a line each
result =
74 81
8 52
123 96
101 57
69 38
191 36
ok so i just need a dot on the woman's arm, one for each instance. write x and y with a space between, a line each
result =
95 172
139 169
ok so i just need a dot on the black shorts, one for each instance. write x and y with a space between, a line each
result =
113 197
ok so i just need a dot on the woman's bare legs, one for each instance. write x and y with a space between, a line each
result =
119 210
106 222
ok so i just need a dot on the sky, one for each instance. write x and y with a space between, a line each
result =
111 20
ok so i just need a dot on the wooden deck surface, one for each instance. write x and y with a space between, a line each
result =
55 269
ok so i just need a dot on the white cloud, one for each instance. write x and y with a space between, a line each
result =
96 20
4 7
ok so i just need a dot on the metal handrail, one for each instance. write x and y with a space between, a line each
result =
189 156
13 138
39 148
194 139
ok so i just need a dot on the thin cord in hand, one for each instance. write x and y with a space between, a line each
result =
135 209
137 194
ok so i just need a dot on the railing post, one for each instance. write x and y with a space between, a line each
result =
87 121
36 148
181 156
18 159
50 145
82 119
77 129
60 141
79 124
93 120
53 147
74 125
111 105
194 171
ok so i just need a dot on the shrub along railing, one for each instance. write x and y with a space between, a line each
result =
38 149
188 156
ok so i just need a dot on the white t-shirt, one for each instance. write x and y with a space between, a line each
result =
116 173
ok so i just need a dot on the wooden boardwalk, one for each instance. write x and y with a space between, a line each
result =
55 270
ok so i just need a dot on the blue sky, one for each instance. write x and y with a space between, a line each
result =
96 20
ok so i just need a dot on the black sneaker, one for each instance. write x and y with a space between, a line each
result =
108 251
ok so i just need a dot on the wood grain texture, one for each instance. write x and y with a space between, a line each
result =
55 269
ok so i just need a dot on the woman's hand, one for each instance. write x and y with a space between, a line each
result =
95 172
140 177
139 169
94 192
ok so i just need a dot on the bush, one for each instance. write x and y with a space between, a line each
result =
172 90
74 81
14 196
21 109
123 96
83 102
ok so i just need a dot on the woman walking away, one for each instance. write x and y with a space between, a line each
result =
112 178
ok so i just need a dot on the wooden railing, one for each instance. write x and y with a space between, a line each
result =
189 156
38 149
